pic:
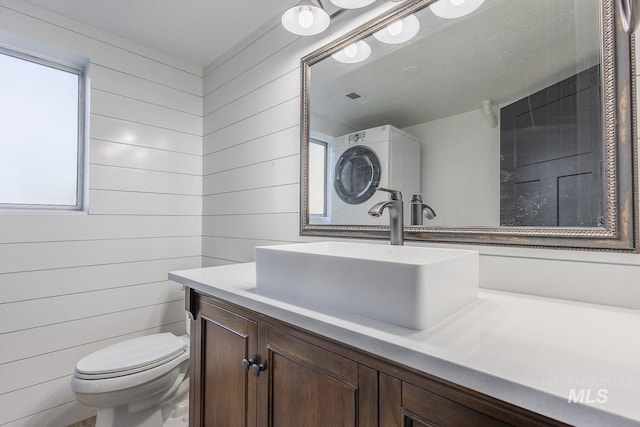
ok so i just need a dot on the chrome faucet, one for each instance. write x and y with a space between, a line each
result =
420 210
396 214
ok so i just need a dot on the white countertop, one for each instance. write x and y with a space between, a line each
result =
530 351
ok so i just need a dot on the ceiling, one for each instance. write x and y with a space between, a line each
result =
502 52
195 31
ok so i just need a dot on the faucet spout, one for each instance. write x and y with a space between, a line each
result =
396 215
377 209
420 210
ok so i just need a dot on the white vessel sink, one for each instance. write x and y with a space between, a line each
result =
414 287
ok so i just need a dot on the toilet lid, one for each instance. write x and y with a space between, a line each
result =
135 355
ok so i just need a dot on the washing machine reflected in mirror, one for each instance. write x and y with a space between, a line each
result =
359 162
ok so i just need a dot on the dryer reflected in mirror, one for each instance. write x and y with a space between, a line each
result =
360 162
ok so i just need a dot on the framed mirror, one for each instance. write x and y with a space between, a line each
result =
507 122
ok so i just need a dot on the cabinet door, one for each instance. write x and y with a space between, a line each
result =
405 405
422 408
223 392
312 387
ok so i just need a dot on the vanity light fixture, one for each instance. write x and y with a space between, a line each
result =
399 31
451 9
353 53
308 17
352 4
305 18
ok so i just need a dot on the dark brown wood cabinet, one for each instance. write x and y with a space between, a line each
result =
306 385
221 390
433 402
248 369
247 374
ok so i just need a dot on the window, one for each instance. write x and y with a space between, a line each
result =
317 178
41 133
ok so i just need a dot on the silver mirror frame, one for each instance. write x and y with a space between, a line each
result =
620 232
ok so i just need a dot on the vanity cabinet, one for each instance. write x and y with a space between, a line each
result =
248 369
306 385
403 404
221 391
247 374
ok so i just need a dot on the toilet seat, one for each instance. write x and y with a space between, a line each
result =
131 357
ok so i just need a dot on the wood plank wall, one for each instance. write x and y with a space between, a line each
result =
251 147
71 283
251 177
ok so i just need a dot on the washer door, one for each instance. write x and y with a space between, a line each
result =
357 174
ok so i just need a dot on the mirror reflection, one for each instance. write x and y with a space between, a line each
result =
483 113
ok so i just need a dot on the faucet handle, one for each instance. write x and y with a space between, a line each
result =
394 194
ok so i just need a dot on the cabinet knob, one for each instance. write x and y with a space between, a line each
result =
256 369
247 363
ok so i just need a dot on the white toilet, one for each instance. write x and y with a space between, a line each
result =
142 382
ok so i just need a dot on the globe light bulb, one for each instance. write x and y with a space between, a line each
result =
353 53
395 28
399 31
457 2
305 17
351 50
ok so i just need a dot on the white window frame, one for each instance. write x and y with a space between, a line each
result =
82 138
325 208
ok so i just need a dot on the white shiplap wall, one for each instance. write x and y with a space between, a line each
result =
71 283
251 143
251 177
